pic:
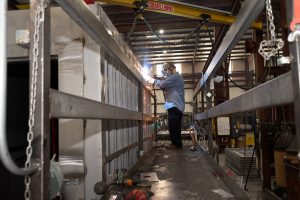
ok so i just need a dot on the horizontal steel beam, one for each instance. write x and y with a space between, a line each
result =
187 10
181 49
248 13
186 53
63 105
187 43
180 57
148 118
120 152
125 149
187 60
272 93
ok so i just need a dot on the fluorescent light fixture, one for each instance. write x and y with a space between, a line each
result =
150 36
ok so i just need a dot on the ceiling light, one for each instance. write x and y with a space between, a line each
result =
161 31
150 36
165 51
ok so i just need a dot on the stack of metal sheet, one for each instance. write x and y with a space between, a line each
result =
239 159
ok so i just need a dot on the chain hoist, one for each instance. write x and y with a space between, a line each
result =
38 21
269 48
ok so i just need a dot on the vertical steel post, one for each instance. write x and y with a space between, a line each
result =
294 39
155 117
41 142
141 95
3 65
295 65
209 121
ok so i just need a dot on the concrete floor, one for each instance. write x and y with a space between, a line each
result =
186 175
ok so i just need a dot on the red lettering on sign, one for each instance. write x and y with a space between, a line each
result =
158 6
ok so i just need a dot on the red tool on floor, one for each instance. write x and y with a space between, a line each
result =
136 194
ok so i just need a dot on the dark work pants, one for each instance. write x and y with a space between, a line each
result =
174 121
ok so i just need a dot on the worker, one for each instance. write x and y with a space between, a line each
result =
173 87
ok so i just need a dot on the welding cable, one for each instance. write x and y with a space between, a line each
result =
226 74
210 36
174 43
133 27
232 81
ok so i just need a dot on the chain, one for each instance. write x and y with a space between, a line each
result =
269 48
38 20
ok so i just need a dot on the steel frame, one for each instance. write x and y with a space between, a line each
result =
95 29
62 105
249 11
272 93
41 141
279 91
295 66
184 10
78 11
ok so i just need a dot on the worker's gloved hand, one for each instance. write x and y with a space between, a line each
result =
149 80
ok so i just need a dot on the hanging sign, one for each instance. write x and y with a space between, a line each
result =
158 6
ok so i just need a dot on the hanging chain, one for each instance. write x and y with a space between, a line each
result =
38 20
269 48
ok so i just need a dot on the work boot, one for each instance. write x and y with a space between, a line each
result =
193 148
173 146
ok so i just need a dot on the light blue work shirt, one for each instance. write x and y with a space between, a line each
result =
173 86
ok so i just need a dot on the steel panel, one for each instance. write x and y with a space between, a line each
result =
120 152
106 80
128 91
88 21
117 88
123 91
113 86
110 83
247 14
71 80
130 94
93 130
275 92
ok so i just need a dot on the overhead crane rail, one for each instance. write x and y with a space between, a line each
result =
182 10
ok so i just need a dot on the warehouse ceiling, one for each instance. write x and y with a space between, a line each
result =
179 39
178 43
173 45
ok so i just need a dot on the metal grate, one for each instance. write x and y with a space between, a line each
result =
239 161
